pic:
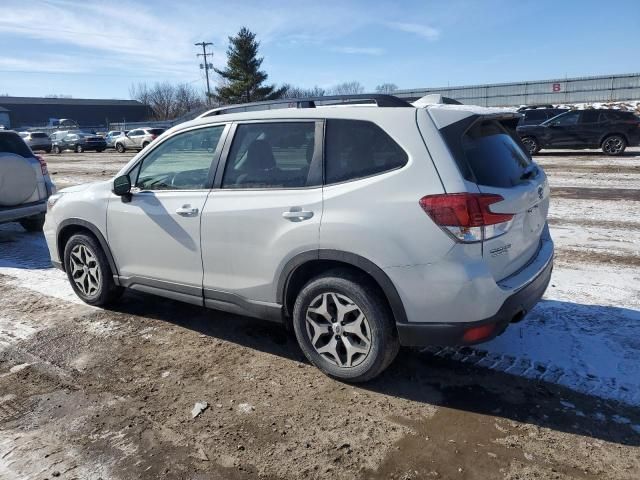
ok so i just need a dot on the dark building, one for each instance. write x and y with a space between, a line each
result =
38 112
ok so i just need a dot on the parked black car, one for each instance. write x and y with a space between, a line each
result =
611 130
79 142
535 116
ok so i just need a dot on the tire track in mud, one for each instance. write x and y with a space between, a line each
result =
596 193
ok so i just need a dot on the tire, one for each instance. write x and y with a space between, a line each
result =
93 284
120 148
47 150
57 150
370 321
79 149
100 150
531 144
33 224
614 145
145 145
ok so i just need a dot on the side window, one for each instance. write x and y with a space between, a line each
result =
270 155
535 116
356 149
567 119
180 163
590 116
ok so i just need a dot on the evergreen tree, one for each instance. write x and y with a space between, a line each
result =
242 80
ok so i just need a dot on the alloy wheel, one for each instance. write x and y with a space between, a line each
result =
530 144
613 145
85 270
338 329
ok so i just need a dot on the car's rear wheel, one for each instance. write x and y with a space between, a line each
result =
33 224
47 150
120 148
79 149
57 149
343 327
89 272
531 144
614 145
145 145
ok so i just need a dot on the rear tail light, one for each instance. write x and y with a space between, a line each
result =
466 216
477 334
43 165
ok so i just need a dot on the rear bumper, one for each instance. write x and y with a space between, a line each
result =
514 308
11 214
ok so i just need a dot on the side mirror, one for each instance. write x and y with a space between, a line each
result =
122 186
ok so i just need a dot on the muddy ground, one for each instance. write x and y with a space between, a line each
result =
87 393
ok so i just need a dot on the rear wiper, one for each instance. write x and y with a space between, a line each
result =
530 171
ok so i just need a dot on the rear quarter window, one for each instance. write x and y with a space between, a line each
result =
12 143
356 149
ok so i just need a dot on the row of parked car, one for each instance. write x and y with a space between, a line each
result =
79 141
609 129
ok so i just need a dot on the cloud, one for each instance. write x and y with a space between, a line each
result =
359 50
425 31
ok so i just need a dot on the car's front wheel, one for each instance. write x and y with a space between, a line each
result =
57 149
614 145
531 144
79 149
343 327
120 148
88 271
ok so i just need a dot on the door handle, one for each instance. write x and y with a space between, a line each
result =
295 215
187 211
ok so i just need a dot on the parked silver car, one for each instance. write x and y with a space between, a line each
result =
25 184
113 135
363 228
37 141
137 139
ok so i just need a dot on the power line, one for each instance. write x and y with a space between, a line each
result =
206 66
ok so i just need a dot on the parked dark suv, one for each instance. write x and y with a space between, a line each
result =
535 116
611 130
79 142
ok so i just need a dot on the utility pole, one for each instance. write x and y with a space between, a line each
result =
206 66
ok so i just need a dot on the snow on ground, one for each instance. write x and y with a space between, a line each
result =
619 211
25 258
597 239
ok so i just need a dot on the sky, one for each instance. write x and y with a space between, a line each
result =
99 49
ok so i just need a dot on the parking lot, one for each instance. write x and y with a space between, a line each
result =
89 393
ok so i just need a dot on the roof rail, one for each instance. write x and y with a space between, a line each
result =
380 100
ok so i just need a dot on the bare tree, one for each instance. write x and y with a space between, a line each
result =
167 101
347 88
387 88
291 91
187 98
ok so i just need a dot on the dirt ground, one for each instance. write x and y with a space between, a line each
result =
87 393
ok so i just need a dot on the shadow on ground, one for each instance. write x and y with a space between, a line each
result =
421 377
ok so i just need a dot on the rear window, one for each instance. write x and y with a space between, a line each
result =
489 155
39 135
156 131
356 149
12 143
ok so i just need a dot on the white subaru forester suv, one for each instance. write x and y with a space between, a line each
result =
365 227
